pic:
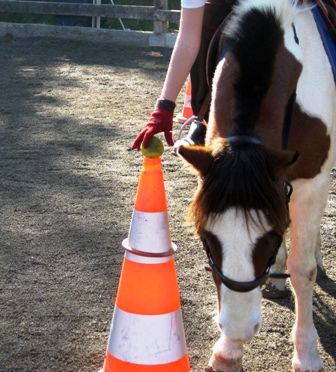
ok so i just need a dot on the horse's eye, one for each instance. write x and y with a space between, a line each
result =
288 190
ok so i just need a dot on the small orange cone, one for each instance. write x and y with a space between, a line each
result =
147 332
187 109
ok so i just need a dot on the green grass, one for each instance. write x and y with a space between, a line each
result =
105 22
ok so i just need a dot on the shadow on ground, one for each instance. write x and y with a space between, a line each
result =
68 112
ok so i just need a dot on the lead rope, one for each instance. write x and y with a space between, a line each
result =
184 125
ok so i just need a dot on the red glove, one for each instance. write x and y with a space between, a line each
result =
161 120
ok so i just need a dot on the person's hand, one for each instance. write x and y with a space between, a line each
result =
161 120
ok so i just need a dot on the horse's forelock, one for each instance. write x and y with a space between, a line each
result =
240 177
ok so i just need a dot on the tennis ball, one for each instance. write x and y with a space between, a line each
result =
154 150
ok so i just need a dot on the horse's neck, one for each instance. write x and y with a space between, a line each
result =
223 99
269 124
315 87
271 119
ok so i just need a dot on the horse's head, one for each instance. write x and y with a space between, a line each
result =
241 213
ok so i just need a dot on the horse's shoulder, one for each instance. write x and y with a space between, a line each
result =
309 136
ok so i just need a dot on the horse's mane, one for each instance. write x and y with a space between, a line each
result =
240 176
254 35
284 10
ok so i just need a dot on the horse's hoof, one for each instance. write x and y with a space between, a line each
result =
311 366
219 364
208 369
271 292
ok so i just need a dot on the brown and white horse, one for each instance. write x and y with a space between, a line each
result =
275 71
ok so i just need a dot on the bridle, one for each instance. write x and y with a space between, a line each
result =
239 286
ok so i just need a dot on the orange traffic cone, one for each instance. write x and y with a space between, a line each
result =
187 109
147 332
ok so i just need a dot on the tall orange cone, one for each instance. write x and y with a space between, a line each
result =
147 332
187 111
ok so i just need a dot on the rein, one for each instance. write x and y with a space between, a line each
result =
290 105
288 120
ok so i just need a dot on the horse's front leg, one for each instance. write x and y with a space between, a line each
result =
306 210
226 357
276 288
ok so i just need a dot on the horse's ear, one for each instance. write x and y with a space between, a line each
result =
200 157
281 160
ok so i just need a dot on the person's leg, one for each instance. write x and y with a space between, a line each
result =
214 13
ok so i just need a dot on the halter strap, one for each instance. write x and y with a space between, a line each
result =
243 286
245 139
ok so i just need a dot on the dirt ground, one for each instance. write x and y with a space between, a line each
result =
68 112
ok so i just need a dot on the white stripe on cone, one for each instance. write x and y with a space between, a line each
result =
145 260
147 339
149 232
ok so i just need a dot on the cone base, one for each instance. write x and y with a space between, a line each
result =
113 364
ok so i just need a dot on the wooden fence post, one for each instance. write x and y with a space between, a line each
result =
96 20
159 26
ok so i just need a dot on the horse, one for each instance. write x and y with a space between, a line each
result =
265 168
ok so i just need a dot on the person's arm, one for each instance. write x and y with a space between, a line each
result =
184 53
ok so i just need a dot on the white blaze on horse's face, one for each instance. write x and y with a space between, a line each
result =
239 315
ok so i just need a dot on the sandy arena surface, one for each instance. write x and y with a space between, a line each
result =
68 112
